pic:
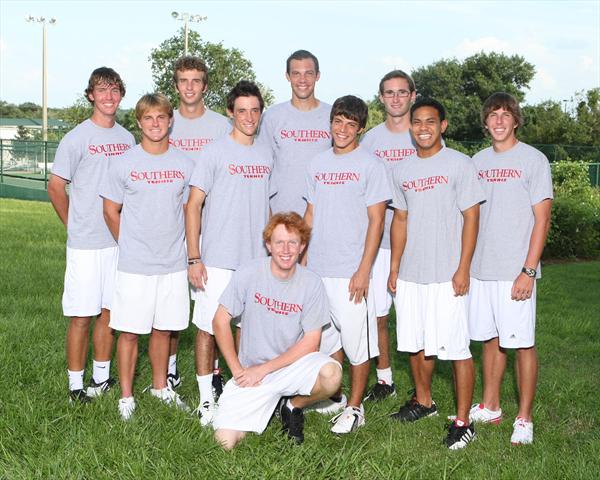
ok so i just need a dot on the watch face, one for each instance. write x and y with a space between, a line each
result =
530 272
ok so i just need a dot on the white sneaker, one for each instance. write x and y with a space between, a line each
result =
170 397
206 413
126 407
522 432
349 420
328 406
480 414
99 389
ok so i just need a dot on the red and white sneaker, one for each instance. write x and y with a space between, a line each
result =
522 432
480 414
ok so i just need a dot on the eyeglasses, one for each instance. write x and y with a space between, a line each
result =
394 93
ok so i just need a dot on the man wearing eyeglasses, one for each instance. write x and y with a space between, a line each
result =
296 131
391 141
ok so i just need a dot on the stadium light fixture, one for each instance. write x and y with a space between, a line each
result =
44 22
185 18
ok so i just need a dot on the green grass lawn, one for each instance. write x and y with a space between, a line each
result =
41 436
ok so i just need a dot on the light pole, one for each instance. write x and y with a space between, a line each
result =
43 21
185 18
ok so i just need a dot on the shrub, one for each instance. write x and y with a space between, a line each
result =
575 227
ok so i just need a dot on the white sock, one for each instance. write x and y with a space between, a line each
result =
289 405
385 375
216 365
101 371
172 364
205 388
75 380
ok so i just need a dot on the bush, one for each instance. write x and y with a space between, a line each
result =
575 226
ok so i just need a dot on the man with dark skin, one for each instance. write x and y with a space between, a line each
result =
430 262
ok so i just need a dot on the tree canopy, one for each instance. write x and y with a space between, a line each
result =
226 67
463 86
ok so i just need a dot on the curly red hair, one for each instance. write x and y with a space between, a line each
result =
292 223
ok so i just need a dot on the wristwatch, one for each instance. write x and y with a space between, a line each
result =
530 272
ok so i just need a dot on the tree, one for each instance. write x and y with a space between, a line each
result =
78 112
226 66
587 117
576 130
546 123
376 113
462 87
126 119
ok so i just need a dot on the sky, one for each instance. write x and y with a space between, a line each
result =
357 42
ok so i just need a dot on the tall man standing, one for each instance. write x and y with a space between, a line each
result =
296 131
514 225
82 161
194 127
232 182
391 141
434 230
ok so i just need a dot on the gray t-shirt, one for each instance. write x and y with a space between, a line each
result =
235 179
295 137
341 188
191 136
513 181
275 313
392 148
82 159
435 191
152 190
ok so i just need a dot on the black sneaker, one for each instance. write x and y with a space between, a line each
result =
412 411
79 396
218 383
292 422
174 380
97 389
459 437
380 391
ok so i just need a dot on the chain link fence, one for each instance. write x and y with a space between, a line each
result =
25 166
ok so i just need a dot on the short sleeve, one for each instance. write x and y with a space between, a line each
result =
113 186
66 160
315 313
398 198
540 181
189 165
378 187
468 188
309 193
233 297
203 175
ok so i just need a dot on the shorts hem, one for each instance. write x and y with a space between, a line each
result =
81 315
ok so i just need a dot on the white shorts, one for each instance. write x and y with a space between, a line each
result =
144 302
432 319
89 281
353 326
492 313
249 409
379 289
206 301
